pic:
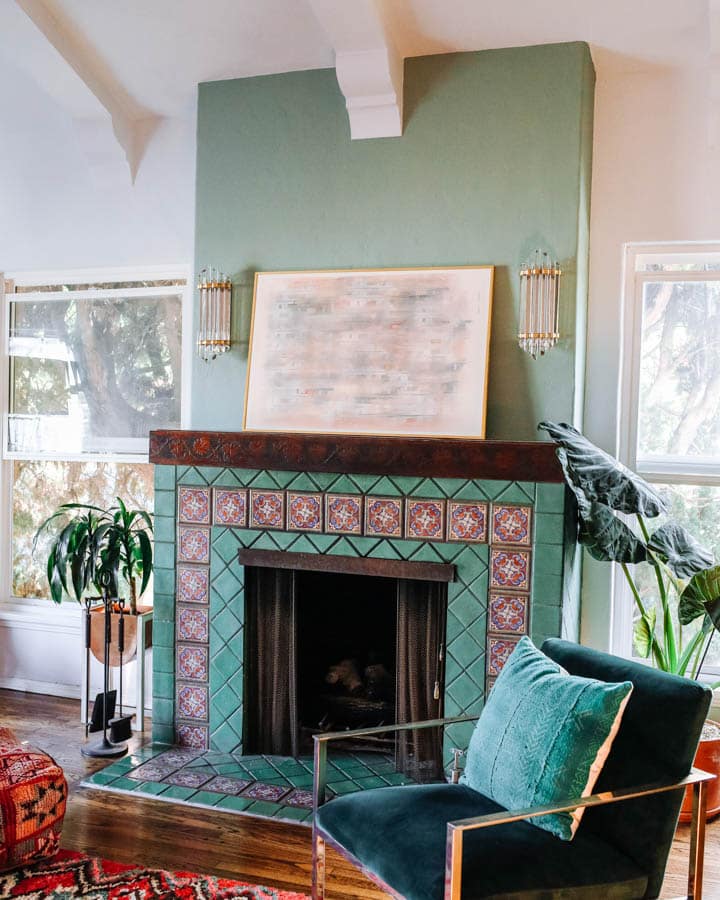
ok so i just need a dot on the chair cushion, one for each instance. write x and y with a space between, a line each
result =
399 833
543 737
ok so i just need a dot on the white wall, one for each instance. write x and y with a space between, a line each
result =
655 178
55 213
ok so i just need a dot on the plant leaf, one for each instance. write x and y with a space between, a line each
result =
146 563
600 476
701 596
679 549
643 633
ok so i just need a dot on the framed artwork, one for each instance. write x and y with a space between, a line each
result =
376 351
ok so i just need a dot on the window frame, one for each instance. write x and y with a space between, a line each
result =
8 281
700 471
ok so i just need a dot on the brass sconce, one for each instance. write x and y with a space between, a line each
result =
215 289
539 304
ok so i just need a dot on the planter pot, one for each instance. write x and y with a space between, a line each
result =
707 758
97 635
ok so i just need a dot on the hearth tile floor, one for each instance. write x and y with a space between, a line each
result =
275 787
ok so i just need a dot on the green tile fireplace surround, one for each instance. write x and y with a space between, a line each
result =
514 574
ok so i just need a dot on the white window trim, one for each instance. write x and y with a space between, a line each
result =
698 471
29 611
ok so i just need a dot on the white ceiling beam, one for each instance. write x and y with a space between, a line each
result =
368 66
132 125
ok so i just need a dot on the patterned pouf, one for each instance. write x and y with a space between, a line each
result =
33 792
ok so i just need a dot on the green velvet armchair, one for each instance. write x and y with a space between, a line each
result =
449 842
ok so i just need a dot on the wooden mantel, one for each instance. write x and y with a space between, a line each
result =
359 454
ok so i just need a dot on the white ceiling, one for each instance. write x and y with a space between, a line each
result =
159 50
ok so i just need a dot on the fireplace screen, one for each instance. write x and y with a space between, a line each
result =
333 652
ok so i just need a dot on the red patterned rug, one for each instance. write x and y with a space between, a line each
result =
74 875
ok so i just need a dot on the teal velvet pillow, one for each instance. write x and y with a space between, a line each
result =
543 737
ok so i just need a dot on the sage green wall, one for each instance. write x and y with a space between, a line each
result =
494 161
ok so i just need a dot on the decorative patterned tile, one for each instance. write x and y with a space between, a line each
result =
260 791
230 507
304 511
511 525
224 785
508 613
151 771
499 649
489 685
177 756
510 569
192 624
187 778
267 509
192 662
425 519
299 798
195 736
194 505
192 584
383 516
192 702
343 513
193 544
467 521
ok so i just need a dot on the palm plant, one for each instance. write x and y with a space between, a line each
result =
687 580
90 541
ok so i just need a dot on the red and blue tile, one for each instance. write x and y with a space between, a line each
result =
261 791
499 650
425 519
194 545
511 525
192 736
192 702
383 516
343 514
194 505
467 521
267 509
304 511
192 584
510 569
192 624
508 613
192 662
230 507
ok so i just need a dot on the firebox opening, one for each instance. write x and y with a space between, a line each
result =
346 652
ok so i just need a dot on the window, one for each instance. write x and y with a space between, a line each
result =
670 422
94 362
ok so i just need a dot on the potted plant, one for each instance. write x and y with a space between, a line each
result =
87 542
686 578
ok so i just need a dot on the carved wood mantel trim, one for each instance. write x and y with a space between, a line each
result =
359 454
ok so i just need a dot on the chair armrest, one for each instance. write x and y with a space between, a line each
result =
322 740
456 830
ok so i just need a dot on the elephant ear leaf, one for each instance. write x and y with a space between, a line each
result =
677 548
601 477
701 597
606 537
643 633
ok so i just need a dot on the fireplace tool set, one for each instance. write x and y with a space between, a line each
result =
103 715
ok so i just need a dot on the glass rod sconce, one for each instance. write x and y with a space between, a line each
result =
539 306
215 290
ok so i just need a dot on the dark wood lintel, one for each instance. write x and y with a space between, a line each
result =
359 454
348 565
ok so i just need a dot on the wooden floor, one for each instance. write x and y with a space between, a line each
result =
172 836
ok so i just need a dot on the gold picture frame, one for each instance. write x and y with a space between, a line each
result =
370 351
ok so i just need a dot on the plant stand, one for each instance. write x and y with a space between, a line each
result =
144 640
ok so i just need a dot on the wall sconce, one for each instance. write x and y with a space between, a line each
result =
539 306
215 290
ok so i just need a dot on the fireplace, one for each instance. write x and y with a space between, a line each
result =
481 523
336 650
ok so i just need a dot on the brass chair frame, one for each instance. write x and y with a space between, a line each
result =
456 830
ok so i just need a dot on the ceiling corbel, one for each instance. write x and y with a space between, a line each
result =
369 68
